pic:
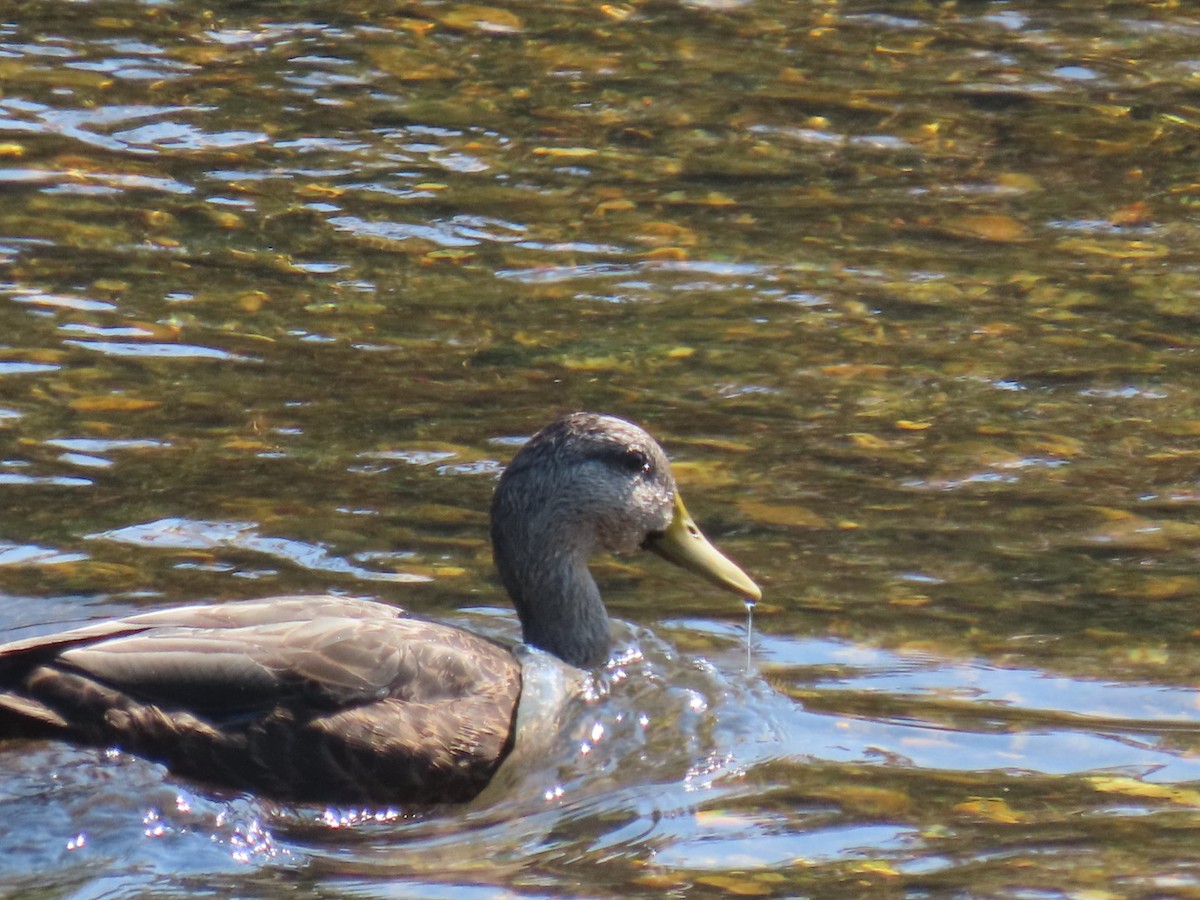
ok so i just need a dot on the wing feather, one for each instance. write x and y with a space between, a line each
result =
299 698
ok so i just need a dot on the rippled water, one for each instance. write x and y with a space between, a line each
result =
909 291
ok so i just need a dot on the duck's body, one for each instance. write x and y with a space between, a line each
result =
322 699
342 700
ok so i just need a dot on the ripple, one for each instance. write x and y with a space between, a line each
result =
165 351
401 231
85 125
414 457
105 445
18 478
975 715
479 467
706 267
56 301
741 842
460 231
88 462
92 183
198 534
25 368
180 136
555 274
33 555
149 68
102 331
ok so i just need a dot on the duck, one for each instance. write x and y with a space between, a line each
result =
343 700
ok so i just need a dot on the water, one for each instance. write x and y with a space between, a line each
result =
908 293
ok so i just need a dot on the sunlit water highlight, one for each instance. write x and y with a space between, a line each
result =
910 295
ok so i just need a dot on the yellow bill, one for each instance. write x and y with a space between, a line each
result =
685 545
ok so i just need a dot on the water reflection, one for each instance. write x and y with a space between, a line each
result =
909 293
189 534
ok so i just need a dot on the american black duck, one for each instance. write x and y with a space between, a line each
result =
338 700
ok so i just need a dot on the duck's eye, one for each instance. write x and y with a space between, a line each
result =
636 461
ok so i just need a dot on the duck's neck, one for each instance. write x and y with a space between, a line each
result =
543 565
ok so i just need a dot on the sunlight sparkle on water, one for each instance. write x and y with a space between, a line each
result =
251 841
349 818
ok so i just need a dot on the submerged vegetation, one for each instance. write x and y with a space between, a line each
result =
908 291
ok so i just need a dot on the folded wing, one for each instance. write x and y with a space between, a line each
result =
297 698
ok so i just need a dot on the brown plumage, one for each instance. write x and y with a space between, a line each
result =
340 700
300 698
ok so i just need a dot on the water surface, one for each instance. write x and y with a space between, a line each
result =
910 293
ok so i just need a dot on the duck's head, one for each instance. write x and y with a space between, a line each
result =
585 484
